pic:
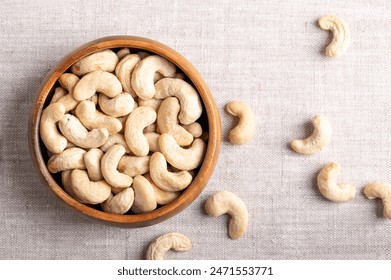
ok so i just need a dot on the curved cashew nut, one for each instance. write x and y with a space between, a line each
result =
144 196
122 53
383 191
92 160
319 138
153 103
115 139
167 121
341 35
194 128
153 141
191 107
167 181
136 122
75 132
68 81
48 131
120 203
88 191
184 159
245 129
329 188
105 60
162 197
66 183
143 74
173 240
109 170
124 70
97 81
133 166
118 106
226 202
71 158
58 93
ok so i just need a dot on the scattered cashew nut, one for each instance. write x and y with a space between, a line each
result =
341 35
71 158
105 60
245 129
109 170
118 106
120 203
383 191
133 166
173 240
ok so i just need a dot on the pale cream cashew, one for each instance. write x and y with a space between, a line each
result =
153 103
225 202
91 118
383 191
136 122
329 188
105 60
68 81
245 129
173 240
320 137
88 191
118 106
143 74
133 166
66 183
183 159
120 203
121 53
167 121
167 181
341 35
51 137
109 164
115 190
75 132
115 139
97 81
153 141
191 106
92 160
124 70
162 197
144 196
71 158
194 128
150 128
58 93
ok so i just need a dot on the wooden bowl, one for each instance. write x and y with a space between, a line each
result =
210 122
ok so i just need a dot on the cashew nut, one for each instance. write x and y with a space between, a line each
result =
92 118
115 139
92 160
124 70
48 131
319 138
68 81
167 121
153 141
144 196
245 129
71 158
167 181
341 35
136 122
122 53
75 132
162 197
118 106
109 170
97 81
194 128
133 166
329 188
383 191
154 103
120 203
66 183
173 240
88 191
150 128
58 93
184 159
105 60
143 74
226 202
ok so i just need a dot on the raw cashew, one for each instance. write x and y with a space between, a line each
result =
341 35
124 70
173 240
115 139
143 73
153 141
68 81
92 118
329 188
150 128
383 191
92 160
120 203
88 191
162 197
48 131
121 53
194 128
58 93
105 60
71 158
97 81
133 166
167 181
109 170
140 118
66 183
118 106
167 121
226 202
75 132
184 159
144 196
319 138
191 107
245 129
154 103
